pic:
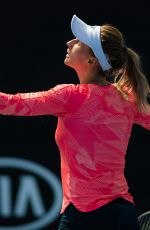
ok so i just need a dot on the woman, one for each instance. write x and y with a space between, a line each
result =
95 119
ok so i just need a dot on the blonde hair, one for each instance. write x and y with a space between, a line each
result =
126 66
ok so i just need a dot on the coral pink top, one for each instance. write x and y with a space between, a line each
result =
93 130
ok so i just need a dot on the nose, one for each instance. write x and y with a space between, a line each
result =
70 43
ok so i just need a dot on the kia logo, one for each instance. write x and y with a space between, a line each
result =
28 192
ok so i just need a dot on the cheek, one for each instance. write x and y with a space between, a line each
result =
79 57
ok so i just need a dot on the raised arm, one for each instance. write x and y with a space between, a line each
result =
59 100
52 101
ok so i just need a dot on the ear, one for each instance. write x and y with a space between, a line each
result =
92 60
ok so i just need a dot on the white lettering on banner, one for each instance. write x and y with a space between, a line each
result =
28 192
5 197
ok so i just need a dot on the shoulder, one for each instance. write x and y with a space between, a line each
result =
72 88
62 86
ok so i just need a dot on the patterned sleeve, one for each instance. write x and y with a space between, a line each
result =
143 119
57 101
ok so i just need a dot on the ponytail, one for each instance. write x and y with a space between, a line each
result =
126 67
132 81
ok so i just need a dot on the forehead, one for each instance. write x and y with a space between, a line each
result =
80 42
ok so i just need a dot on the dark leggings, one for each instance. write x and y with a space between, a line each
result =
118 214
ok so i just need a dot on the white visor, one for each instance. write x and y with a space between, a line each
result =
90 35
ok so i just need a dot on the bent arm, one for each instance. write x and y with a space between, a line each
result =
143 119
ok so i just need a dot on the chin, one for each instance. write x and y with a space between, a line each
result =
66 62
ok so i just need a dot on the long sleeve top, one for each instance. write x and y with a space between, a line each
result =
93 129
